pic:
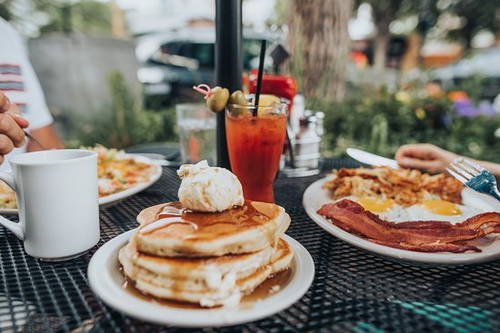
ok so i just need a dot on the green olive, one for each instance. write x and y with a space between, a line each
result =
218 99
238 98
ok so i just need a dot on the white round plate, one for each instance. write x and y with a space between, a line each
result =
118 196
114 198
106 281
316 196
8 211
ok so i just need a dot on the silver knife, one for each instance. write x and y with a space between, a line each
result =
371 159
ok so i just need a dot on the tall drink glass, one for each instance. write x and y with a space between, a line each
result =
196 126
255 144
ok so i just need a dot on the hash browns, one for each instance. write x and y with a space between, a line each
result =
405 186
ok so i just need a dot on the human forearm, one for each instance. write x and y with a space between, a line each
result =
494 168
433 159
48 138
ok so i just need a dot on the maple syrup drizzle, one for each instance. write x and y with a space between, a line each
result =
269 287
207 225
165 222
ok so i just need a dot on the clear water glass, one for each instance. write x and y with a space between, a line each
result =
196 126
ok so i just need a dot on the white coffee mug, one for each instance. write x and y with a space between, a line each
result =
57 199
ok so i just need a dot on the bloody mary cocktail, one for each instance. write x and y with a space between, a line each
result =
255 144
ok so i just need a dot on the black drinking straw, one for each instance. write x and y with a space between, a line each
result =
259 75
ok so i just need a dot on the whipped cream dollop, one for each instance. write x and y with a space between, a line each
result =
208 189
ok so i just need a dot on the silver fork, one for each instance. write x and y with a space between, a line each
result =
474 176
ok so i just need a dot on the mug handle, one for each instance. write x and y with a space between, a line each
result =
15 228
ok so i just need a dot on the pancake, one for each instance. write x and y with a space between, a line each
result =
225 293
197 273
171 231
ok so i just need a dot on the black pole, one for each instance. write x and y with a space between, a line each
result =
228 62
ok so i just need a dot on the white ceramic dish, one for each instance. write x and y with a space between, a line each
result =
315 196
8 211
106 281
116 197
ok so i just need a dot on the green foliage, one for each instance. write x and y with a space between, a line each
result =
5 9
380 123
88 16
474 85
475 16
427 12
123 123
281 13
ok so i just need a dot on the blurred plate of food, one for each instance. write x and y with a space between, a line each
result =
120 175
406 214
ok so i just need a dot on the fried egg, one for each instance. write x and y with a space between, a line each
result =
441 210
427 210
386 209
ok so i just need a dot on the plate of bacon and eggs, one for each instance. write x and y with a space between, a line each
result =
406 214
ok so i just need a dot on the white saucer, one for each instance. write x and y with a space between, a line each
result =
316 196
106 281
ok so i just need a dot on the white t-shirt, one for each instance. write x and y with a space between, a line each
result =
19 82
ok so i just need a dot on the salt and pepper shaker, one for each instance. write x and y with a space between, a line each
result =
320 129
297 113
303 159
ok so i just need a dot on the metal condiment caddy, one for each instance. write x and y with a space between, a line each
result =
302 156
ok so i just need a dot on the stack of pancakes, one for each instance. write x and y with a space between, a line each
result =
206 258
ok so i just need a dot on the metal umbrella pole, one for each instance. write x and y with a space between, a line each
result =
228 62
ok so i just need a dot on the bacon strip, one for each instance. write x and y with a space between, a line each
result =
445 247
423 236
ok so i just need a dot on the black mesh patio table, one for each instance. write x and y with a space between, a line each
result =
353 290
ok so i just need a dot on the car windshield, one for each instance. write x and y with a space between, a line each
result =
203 53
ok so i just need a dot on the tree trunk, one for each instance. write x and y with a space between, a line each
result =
383 13
468 36
67 23
411 58
380 52
117 21
319 44
383 19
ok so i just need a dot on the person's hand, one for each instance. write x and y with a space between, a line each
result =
425 157
10 108
11 127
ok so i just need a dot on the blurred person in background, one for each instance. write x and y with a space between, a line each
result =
19 83
433 159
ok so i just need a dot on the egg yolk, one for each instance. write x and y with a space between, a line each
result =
376 205
441 207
